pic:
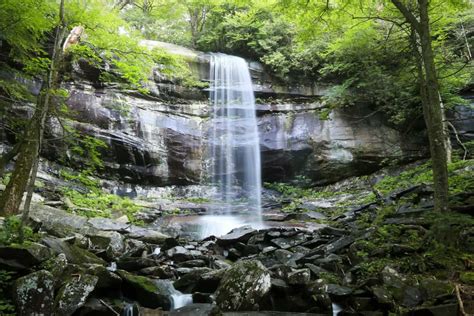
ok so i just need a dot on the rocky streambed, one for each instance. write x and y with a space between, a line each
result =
99 266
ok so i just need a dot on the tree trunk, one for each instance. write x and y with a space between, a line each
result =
31 145
429 92
433 112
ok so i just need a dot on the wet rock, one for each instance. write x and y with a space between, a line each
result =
220 264
179 253
202 298
268 249
147 235
439 310
134 248
162 272
332 231
73 253
135 263
209 281
194 310
382 295
247 250
74 294
109 241
299 277
34 294
241 234
288 242
339 244
94 307
243 286
279 285
188 282
315 270
20 257
193 263
169 243
331 262
256 239
338 290
306 216
106 278
411 296
287 257
144 290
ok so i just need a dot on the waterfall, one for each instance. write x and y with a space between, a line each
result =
233 140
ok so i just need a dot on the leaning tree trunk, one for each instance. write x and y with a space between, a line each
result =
433 112
31 146
429 92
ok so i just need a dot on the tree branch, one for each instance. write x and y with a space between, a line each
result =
408 15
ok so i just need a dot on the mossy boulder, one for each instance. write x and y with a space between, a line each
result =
144 290
243 287
74 293
107 279
73 253
20 257
34 294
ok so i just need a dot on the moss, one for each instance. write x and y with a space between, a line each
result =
140 281
467 277
330 278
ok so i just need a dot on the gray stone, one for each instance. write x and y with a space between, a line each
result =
145 291
73 253
19 257
299 277
188 282
106 278
135 263
34 294
288 242
338 290
241 234
74 293
243 286
109 241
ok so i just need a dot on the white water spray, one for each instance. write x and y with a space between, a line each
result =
234 142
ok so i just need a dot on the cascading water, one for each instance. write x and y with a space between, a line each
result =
234 144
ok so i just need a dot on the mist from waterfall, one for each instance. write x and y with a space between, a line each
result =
234 143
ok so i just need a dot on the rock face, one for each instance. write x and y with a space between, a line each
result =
161 138
243 286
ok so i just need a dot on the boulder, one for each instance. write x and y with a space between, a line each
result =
188 282
73 253
20 257
34 294
299 277
72 295
288 242
241 234
106 279
144 290
243 286
135 263
109 241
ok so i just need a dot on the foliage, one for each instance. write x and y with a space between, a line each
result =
6 305
460 176
10 231
99 204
